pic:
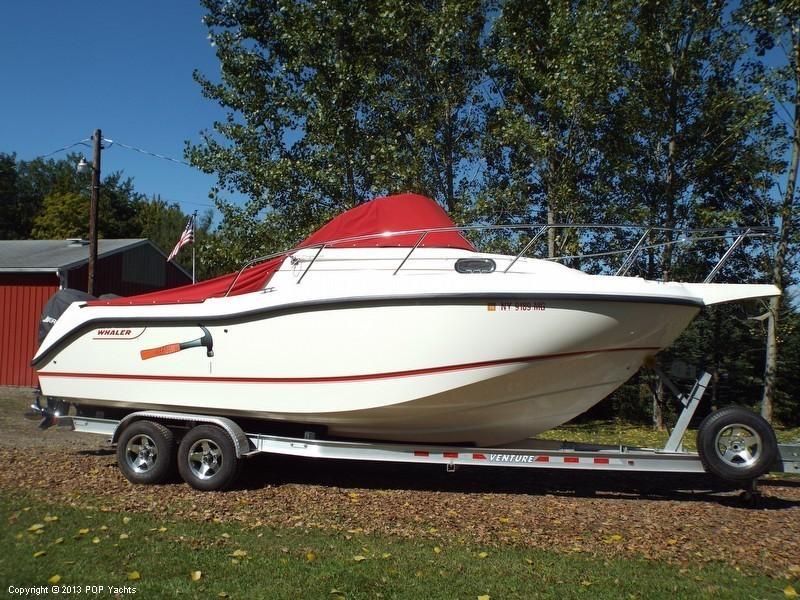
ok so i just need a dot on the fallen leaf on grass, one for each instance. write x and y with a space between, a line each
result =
58 541
95 540
84 531
35 527
196 575
238 553
54 579
789 592
126 520
134 576
437 549
613 538
39 553
484 597
359 558
483 554
49 519
123 536
310 556
386 555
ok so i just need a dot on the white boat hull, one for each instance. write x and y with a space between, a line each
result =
480 371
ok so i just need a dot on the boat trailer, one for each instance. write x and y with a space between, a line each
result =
734 444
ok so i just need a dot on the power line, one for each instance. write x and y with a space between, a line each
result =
147 152
78 143
162 157
110 142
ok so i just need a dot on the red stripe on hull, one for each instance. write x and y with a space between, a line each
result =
344 378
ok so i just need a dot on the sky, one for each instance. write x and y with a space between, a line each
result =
69 68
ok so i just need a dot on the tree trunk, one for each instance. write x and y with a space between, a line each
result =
551 208
670 191
449 153
785 213
658 403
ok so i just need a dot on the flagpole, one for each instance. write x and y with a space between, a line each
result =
194 241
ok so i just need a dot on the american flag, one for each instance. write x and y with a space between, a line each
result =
187 237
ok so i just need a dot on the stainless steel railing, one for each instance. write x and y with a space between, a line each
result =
647 241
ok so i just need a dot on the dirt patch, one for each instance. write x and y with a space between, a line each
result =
675 518
17 432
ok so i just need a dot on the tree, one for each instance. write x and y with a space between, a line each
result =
162 223
65 213
434 100
13 225
693 137
556 67
23 186
333 103
776 27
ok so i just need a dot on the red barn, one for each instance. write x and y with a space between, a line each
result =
33 270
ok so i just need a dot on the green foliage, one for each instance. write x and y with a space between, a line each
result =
65 214
334 103
557 68
162 223
511 111
48 199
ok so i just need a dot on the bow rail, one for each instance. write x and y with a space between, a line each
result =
650 239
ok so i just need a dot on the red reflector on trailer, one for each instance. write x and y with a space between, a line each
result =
450 454
601 461
542 459
571 459
477 456
420 453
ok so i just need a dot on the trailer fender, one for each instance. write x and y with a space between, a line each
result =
240 441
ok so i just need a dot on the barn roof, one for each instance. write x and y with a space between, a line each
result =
34 256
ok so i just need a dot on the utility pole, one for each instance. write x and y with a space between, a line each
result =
97 139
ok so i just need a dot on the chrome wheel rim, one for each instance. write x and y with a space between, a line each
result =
738 445
205 458
141 453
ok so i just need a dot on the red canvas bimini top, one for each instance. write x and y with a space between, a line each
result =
403 212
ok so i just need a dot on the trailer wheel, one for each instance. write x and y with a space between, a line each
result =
146 452
736 444
207 458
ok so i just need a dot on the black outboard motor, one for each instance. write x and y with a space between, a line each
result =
55 307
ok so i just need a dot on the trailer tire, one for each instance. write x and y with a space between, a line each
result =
207 458
736 444
146 452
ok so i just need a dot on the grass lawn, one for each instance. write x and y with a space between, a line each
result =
610 432
44 542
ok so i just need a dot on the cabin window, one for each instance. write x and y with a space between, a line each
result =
475 265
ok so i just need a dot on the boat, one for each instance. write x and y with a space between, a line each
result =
385 324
